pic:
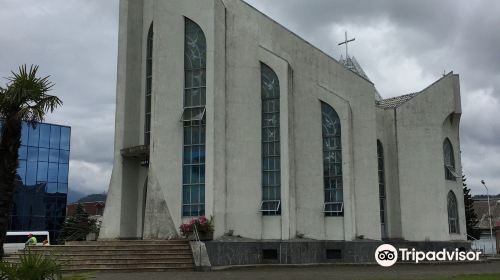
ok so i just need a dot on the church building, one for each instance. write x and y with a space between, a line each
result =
224 113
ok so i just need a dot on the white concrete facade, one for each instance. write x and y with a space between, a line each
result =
146 202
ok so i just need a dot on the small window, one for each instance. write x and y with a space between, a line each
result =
333 208
269 254
449 161
453 224
270 206
193 114
333 254
451 173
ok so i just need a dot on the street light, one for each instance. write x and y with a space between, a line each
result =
489 214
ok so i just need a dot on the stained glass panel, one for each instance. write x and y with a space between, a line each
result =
332 161
193 118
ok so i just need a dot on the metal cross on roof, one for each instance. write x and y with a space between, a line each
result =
346 42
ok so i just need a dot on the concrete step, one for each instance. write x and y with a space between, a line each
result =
110 247
110 252
147 256
73 262
119 256
107 266
84 269
128 242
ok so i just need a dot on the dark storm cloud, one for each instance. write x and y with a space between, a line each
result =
75 42
405 45
402 45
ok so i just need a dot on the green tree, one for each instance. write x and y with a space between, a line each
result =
77 227
471 219
24 98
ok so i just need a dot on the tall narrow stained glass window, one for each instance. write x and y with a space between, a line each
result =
453 213
381 189
149 86
271 167
449 161
193 118
332 162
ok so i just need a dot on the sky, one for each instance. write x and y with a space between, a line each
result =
403 46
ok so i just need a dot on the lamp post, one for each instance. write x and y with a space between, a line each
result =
489 215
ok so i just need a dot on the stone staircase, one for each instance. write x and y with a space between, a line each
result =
119 256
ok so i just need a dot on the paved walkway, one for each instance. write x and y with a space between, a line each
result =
343 272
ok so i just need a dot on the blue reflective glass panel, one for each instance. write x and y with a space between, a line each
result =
41 190
32 154
43 154
62 188
55 134
23 152
44 135
42 171
51 187
65 138
53 170
31 168
63 173
63 156
34 135
24 134
53 155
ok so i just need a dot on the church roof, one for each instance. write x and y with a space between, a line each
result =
395 102
352 64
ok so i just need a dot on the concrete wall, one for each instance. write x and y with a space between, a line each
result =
222 253
120 215
422 125
307 76
386 134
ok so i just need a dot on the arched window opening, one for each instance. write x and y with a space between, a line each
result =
332 162
193 119
271 166
381 189
453 213
149 86
449 161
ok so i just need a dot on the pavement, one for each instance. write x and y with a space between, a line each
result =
343 272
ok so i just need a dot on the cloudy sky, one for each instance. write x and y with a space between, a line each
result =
403 46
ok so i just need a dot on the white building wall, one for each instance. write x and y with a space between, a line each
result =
120 215
421 165
238 39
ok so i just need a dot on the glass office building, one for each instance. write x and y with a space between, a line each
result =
42 179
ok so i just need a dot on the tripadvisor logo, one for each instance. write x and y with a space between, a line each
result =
387 255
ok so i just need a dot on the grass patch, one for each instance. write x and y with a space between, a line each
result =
462 277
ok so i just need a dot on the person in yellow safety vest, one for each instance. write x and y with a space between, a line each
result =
31 240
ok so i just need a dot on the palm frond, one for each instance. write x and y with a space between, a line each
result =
26 95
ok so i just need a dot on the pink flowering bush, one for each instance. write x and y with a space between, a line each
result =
202 224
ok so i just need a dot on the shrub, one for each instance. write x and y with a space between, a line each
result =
36 266
202 224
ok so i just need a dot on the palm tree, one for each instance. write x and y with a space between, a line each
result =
25 98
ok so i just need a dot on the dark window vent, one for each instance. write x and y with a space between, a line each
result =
333 254
269 254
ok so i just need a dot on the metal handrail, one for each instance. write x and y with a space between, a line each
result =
197 237
472 237
196 234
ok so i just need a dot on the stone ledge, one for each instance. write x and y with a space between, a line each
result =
140 152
